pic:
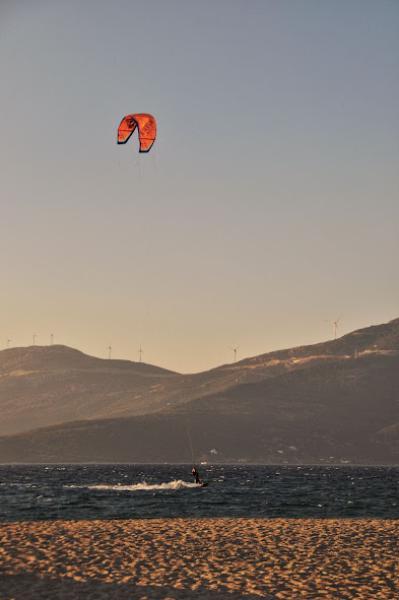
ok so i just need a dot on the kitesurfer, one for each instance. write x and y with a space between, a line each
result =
196 476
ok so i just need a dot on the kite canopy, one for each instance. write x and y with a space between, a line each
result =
147 129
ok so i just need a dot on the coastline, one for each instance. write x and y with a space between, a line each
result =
210 558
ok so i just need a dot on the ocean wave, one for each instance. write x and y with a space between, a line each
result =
177 484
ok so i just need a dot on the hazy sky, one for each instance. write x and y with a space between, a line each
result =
268 204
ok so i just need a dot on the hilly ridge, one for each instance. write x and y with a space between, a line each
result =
49 385
46 385
334 401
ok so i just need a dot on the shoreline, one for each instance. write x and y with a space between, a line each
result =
209 558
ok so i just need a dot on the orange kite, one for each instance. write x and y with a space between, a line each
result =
146 126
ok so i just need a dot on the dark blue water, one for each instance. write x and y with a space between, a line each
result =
144 491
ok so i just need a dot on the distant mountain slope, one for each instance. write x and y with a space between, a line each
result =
48 385
375 339
331 402
58 357
45 385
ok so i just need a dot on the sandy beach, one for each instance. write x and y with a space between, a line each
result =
199 558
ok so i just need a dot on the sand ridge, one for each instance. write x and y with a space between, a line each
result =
200 558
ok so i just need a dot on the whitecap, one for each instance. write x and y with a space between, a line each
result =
177 484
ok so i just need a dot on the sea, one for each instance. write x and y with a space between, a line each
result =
127 491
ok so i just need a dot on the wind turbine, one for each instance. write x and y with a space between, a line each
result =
334 326
235 348
109 351
34 336
8 343
140 353
51 339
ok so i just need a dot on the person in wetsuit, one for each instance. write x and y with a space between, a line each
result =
196 476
